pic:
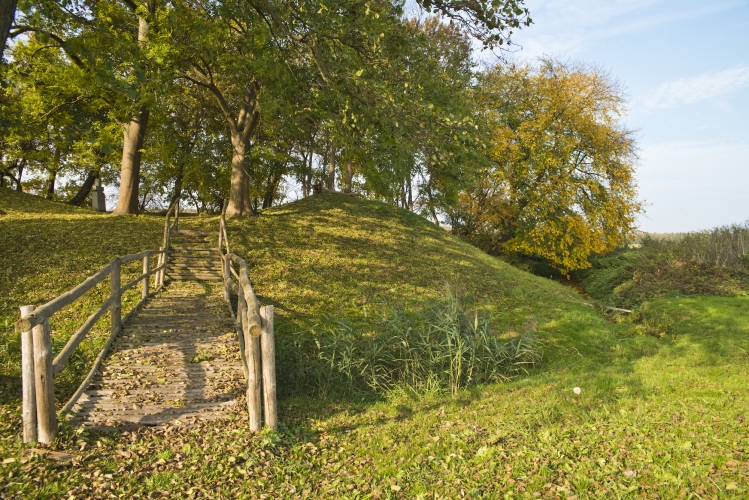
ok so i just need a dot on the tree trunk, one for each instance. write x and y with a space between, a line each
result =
50 191
134 135
331 168
239 196
7 14
242 130
272 187
410 194
52 177
82 193
349 176
21 166
178 184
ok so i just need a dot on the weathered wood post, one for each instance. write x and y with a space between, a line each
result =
254 375
220 234
268 352
46 415
115 310
147 272
28 381
160 273
166 251
227 276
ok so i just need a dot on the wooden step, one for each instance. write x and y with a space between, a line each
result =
190 232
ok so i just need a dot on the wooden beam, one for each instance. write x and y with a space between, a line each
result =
28 381
115 309
253 325
46 416
136 256
254 377
133 283
28 322
147 274
268 355
59 363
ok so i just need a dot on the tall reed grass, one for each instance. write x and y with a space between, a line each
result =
442 349
721 246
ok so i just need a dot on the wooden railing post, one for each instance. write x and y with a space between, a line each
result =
220 234
254 375
28 381
115 309
160 273
227 276
268 351
147 272
254 378
46 415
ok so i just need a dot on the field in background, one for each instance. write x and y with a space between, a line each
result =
656 415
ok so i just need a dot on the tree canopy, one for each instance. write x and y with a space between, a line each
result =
237 103
560 180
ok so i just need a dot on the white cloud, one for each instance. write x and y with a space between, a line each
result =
691 185
696 88
568 27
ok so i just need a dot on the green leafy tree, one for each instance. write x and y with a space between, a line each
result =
561 181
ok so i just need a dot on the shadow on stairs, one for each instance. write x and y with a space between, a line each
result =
178 358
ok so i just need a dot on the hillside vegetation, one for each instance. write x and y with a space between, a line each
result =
712 262
655 416
48 248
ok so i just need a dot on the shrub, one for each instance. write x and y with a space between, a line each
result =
441 349
710 262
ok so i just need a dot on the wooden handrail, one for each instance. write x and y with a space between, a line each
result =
39 367
40 313
255 332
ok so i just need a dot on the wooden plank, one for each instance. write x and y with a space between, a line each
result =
268 359
27 323
115 309
136 256
253 324
133 283
254 377
75 340
28 381
43 380
147 274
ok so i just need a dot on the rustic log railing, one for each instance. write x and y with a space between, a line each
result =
255 331
39 368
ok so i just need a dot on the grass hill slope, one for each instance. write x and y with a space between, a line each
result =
659 417
48 248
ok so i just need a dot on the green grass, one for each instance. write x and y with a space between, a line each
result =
656 416
48 248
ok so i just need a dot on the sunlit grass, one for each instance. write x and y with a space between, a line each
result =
662 416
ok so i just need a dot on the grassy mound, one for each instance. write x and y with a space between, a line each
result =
334 264
655 417
48 248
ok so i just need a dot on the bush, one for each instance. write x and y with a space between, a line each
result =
710 262
441 349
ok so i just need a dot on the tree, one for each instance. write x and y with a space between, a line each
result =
561 180
7 14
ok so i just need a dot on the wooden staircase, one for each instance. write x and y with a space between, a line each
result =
178 359
191 258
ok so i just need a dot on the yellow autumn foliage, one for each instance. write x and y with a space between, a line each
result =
560 184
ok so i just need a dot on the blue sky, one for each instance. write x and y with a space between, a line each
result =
685 65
